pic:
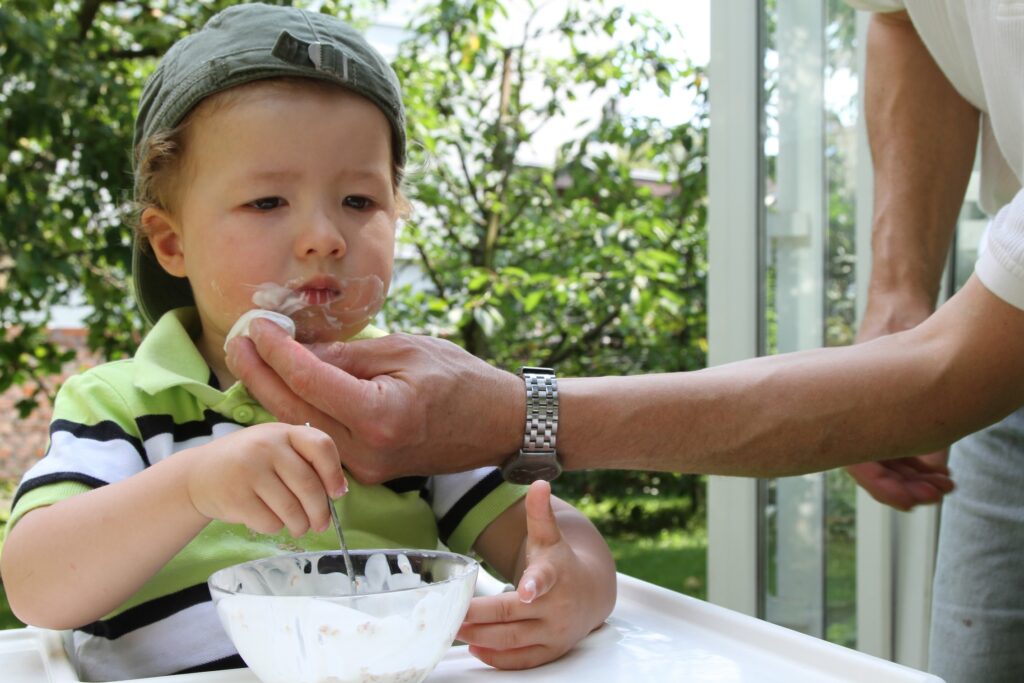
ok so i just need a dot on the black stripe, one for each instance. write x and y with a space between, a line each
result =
155 425
148 612
56 478
107 430
406 484
447 524
232 662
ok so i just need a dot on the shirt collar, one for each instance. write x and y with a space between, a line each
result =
168 357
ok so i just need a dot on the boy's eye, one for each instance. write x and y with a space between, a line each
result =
266 203
356 202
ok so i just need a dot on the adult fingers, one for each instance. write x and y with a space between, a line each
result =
879 483
327 388
900 485
270 388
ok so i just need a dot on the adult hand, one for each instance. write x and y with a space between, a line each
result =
551 609
904 483
398 405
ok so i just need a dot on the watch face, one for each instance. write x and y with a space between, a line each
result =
526 469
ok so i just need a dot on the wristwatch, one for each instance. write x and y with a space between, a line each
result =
537 459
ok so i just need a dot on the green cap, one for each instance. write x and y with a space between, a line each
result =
242 44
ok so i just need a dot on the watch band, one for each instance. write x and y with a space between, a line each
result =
538 458
541 431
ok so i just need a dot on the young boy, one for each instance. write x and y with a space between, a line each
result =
269 149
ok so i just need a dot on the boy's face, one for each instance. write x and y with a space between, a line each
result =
289 186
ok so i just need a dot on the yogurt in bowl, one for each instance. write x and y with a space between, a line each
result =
298 618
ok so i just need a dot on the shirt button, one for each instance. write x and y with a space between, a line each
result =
243 414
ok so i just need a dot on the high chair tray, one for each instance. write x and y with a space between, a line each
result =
653 635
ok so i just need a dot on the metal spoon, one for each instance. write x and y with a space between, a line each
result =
341 540
344 546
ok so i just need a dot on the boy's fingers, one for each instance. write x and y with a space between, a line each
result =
320 451
538 579
541 526
305 484
282 503
496 609
513 660
511 636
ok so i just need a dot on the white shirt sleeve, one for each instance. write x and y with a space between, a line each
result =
877 5
1000 266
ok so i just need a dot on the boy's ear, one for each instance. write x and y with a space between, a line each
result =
165 239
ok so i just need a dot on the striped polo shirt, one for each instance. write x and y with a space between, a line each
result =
117 419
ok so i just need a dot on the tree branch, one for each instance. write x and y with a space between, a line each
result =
87 15
585 340
431 273
469 181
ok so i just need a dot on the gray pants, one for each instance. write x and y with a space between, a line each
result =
977 631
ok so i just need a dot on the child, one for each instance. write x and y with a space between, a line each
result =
269 149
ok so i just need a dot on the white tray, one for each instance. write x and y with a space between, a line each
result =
653 635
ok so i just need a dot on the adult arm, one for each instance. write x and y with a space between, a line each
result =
405 404
919 185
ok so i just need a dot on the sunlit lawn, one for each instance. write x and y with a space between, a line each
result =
674 559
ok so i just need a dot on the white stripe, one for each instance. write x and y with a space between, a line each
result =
447 489
108 461
183 640
162 445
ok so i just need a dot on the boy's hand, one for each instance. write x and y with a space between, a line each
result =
267 477
548 613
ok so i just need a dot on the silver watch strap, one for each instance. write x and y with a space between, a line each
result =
541 410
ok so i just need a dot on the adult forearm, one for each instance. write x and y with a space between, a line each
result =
923 136
73 562
899 395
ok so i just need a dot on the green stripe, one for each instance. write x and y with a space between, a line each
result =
489 509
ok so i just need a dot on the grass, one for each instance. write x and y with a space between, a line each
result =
7 619
673 559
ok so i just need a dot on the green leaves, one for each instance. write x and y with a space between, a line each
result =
595 264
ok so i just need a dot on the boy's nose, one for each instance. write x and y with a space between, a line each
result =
320 237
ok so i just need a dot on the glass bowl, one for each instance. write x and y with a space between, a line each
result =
293 618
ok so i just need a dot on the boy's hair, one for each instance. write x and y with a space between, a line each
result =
242 44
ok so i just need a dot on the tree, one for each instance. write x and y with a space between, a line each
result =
584 266
595 265
72 73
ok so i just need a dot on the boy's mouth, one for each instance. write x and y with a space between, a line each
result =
319 291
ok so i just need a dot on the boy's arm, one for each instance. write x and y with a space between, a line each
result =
72 562
565 578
